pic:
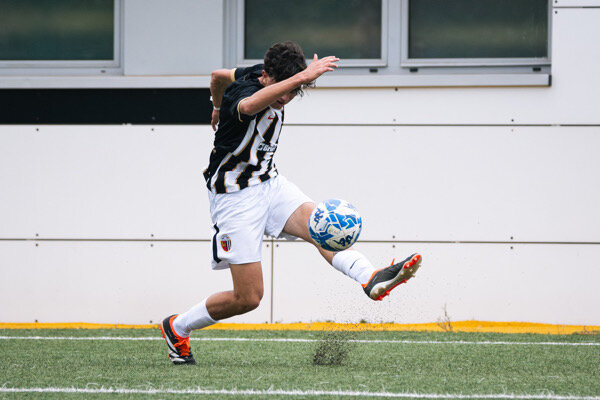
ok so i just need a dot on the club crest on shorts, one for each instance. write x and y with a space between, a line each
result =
225 242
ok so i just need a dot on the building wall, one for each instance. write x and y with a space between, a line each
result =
495 186
177 37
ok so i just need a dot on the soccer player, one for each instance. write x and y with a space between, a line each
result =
248 197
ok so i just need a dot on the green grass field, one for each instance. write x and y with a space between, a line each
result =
102 364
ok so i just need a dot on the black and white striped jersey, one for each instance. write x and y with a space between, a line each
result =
244 145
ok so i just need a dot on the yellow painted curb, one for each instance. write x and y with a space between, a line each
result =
458 326
70 325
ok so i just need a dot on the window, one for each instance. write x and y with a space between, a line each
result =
402 42
353 30
58 33
476 32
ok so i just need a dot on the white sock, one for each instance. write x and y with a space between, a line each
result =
196 317
353 264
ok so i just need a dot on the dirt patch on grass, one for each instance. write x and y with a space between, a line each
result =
333 348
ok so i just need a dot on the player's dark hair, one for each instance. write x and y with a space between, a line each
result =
284 60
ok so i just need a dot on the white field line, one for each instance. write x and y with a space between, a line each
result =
281 392
284 340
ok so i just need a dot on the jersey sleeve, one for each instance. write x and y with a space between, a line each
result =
237 97
238 73
255 70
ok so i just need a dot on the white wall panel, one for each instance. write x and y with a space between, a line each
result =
454 183
575 65
474 105
410 183
115 282
111 282
175 37
104 181
535 283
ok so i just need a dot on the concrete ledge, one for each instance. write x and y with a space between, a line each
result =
426 80
103 82
327 81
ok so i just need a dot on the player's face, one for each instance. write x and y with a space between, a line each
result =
266 80
283 100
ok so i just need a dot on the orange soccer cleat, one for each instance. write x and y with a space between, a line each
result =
179 348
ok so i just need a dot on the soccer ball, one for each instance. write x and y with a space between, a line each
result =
335 225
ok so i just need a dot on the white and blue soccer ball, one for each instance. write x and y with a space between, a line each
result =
334 224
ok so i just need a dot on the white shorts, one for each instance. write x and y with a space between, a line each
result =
242 218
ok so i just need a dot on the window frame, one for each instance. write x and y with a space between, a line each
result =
397 72
239 59
407 62
8 67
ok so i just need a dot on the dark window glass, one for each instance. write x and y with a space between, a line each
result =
56 29
344 28
478 28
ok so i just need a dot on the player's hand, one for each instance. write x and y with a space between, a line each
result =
214 120
318 67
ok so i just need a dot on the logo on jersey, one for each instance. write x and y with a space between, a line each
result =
226 242
267 147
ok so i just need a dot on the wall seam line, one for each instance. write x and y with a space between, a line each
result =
277 241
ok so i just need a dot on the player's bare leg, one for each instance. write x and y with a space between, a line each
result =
297 225
376 283
245 296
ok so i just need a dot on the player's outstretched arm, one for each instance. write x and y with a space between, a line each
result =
219 80
269 94
318 67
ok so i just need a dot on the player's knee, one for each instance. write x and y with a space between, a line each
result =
250 301
249 304
253 303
